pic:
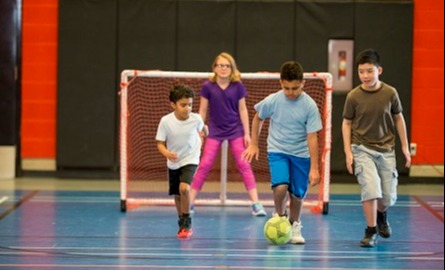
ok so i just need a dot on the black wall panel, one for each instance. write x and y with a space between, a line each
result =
316 23
147 34
9 71
87 90
205 28
265 34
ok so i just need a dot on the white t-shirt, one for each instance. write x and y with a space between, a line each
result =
182 137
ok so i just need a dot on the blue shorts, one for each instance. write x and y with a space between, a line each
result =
291 171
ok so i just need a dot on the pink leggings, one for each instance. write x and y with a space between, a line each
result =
211 150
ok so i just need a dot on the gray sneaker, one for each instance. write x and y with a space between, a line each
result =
370 238
258 210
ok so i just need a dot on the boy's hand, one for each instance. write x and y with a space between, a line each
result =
350 162
172 156
250 152
314 177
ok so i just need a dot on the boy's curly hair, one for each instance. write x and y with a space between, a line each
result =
180 91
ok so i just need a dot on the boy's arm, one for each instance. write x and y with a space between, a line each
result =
346 132
314 174
253 150
399 120
162 147
244 116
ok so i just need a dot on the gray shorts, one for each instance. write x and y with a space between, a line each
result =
377 174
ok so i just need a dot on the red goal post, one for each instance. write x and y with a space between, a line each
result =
144 100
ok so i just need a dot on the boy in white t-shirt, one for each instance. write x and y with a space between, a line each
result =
178 139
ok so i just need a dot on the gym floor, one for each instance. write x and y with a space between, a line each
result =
77 224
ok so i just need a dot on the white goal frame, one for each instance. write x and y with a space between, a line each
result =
320 205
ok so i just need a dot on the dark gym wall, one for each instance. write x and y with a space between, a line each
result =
9 71
146 34
86 105
100 38
265 34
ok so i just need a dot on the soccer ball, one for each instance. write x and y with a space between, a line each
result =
278 230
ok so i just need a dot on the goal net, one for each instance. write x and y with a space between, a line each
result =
143 171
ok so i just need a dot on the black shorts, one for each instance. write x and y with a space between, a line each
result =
182 175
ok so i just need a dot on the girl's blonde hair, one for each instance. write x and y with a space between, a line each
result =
235 76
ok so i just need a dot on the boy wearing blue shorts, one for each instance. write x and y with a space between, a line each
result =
371 118
178 139
292 144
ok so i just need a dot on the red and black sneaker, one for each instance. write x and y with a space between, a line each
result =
185 233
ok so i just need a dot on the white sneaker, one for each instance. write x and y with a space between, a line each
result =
297 237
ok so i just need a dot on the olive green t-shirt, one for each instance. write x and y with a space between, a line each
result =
371 113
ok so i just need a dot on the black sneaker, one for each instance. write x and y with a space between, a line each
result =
370 238
187 221
180 224
383 225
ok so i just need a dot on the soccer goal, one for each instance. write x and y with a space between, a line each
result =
144 99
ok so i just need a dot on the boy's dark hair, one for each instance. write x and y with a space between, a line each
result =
291 71
368 56
180 91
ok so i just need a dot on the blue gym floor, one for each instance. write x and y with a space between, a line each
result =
44 229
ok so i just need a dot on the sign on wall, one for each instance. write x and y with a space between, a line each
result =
341 55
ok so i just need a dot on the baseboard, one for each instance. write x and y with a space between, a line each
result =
426 171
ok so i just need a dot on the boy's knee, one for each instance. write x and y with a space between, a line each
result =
388 201
184 189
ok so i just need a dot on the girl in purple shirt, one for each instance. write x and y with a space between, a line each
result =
223 96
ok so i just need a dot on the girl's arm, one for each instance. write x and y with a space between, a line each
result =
203 106
244 115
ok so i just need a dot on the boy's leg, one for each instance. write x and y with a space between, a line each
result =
389 177
370 212
184 190
211 149
366 171
280 199
296 205
280 177
174 182
299 183
186 177
178 205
